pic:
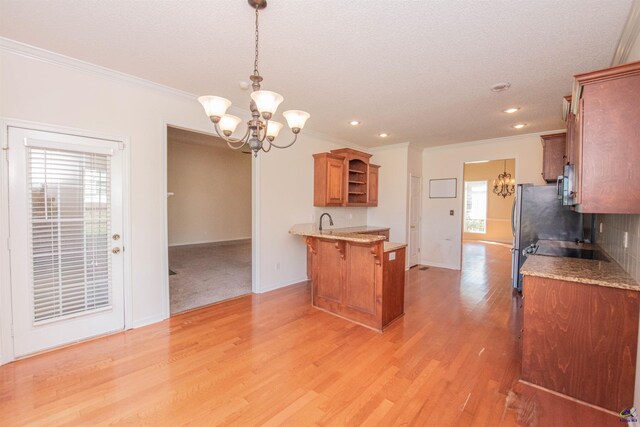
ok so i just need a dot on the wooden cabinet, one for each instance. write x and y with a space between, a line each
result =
351 171
374 173
581 340
603 140
358 281
553 156
328 188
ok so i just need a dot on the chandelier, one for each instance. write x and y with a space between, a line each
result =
261 130
505 185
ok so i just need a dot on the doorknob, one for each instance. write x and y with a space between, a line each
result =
115 250
116 236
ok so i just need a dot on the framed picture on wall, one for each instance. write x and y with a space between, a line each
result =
445 188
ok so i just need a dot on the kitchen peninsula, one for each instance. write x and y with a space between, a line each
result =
355 275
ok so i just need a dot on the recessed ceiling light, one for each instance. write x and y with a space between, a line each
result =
519 125
354 122
500 87
383 135
511 110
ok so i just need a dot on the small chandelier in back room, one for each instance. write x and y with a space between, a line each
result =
505 185
261 130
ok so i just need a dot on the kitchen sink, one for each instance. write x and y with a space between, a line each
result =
592 254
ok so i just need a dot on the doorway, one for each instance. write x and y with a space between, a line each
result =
487 215
66 219
415 191
209 217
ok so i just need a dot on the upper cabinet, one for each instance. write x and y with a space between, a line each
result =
345 177
328 187
373 185
603 142
553 157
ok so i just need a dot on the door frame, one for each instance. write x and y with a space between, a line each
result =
255 218
7 353
460 204
419 222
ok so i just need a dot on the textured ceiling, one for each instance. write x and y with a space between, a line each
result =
418 70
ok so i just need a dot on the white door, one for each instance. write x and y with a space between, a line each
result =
65 222
414 221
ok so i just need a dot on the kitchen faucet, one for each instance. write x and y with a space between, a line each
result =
322 216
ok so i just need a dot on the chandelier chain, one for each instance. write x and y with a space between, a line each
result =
255 64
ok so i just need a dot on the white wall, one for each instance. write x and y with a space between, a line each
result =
48 92
212 193
392 191
286 198
43 87
441 233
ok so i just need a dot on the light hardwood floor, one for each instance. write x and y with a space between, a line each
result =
272 359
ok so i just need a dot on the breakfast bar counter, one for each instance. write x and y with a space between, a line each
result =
359 277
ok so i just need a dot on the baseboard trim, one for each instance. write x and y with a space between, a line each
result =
145 321
283 284
564 396
213 243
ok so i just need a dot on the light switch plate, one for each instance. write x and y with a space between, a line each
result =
392 256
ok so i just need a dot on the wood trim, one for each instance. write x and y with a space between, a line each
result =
629 35
605 74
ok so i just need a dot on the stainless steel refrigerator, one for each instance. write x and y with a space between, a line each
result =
538 214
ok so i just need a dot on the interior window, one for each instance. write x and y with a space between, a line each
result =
475 206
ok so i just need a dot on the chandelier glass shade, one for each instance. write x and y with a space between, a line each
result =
261 131
504 185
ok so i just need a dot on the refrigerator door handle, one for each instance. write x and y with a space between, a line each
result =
513 217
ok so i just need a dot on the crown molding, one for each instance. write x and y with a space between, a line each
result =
629 35
492 140
32 52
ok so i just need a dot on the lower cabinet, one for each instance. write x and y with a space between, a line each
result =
358 281
581 340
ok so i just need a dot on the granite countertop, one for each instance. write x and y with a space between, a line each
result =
311 230
593 272
390 246
364 229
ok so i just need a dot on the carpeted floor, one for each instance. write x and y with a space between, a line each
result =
208 274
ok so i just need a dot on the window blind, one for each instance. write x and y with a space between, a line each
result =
69 200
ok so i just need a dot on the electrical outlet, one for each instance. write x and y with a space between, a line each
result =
601 227
392 256
625 240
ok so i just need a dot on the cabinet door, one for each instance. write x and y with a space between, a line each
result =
553 156
335 181
373 186
580 340
329 278
610 177
568 151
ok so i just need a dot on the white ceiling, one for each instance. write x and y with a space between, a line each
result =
419 70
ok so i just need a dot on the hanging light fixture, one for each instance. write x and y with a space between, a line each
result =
505 185
261 130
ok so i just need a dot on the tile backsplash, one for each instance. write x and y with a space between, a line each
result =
611 239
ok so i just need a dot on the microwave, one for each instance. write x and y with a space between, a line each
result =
566 186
